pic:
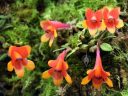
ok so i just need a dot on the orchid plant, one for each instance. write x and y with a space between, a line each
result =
96 21
102 19
19 60
105 18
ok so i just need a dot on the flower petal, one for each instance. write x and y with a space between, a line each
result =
51 41
65 65
59 25
111 30
103 26
98 72
52 63
10 50
68 79
98 15
108 74
45 23
17 55
85 80
109 82
84 24
46 75
89 13
105 13
92 31
57 82
59 65
93 26
24 51
19 73
30 65
115 12
89 71
97 85
10 66
44 38
55 33
51 71
24 61
28 49
120 24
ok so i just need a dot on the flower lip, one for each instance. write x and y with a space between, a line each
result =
58 70
19 58
50 32
111 21
110 17
98 75
94 19
50 28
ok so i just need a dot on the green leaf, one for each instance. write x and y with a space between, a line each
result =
126 24
84 46
79 24
73 51
106 47
3 56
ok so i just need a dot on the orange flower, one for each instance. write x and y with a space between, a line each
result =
50 28
111 19
58 70
97 75
19 60
93 20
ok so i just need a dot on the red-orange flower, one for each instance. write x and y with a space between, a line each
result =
58 70
19 60
50 28
97 75
111 19
93 20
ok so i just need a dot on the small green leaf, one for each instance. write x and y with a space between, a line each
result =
73 51
3 56
106 47
126 24
79 24
93 48
84 46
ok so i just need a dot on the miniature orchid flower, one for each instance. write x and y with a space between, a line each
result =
97 75
93 21
50 28
58 70
111 19
19 60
